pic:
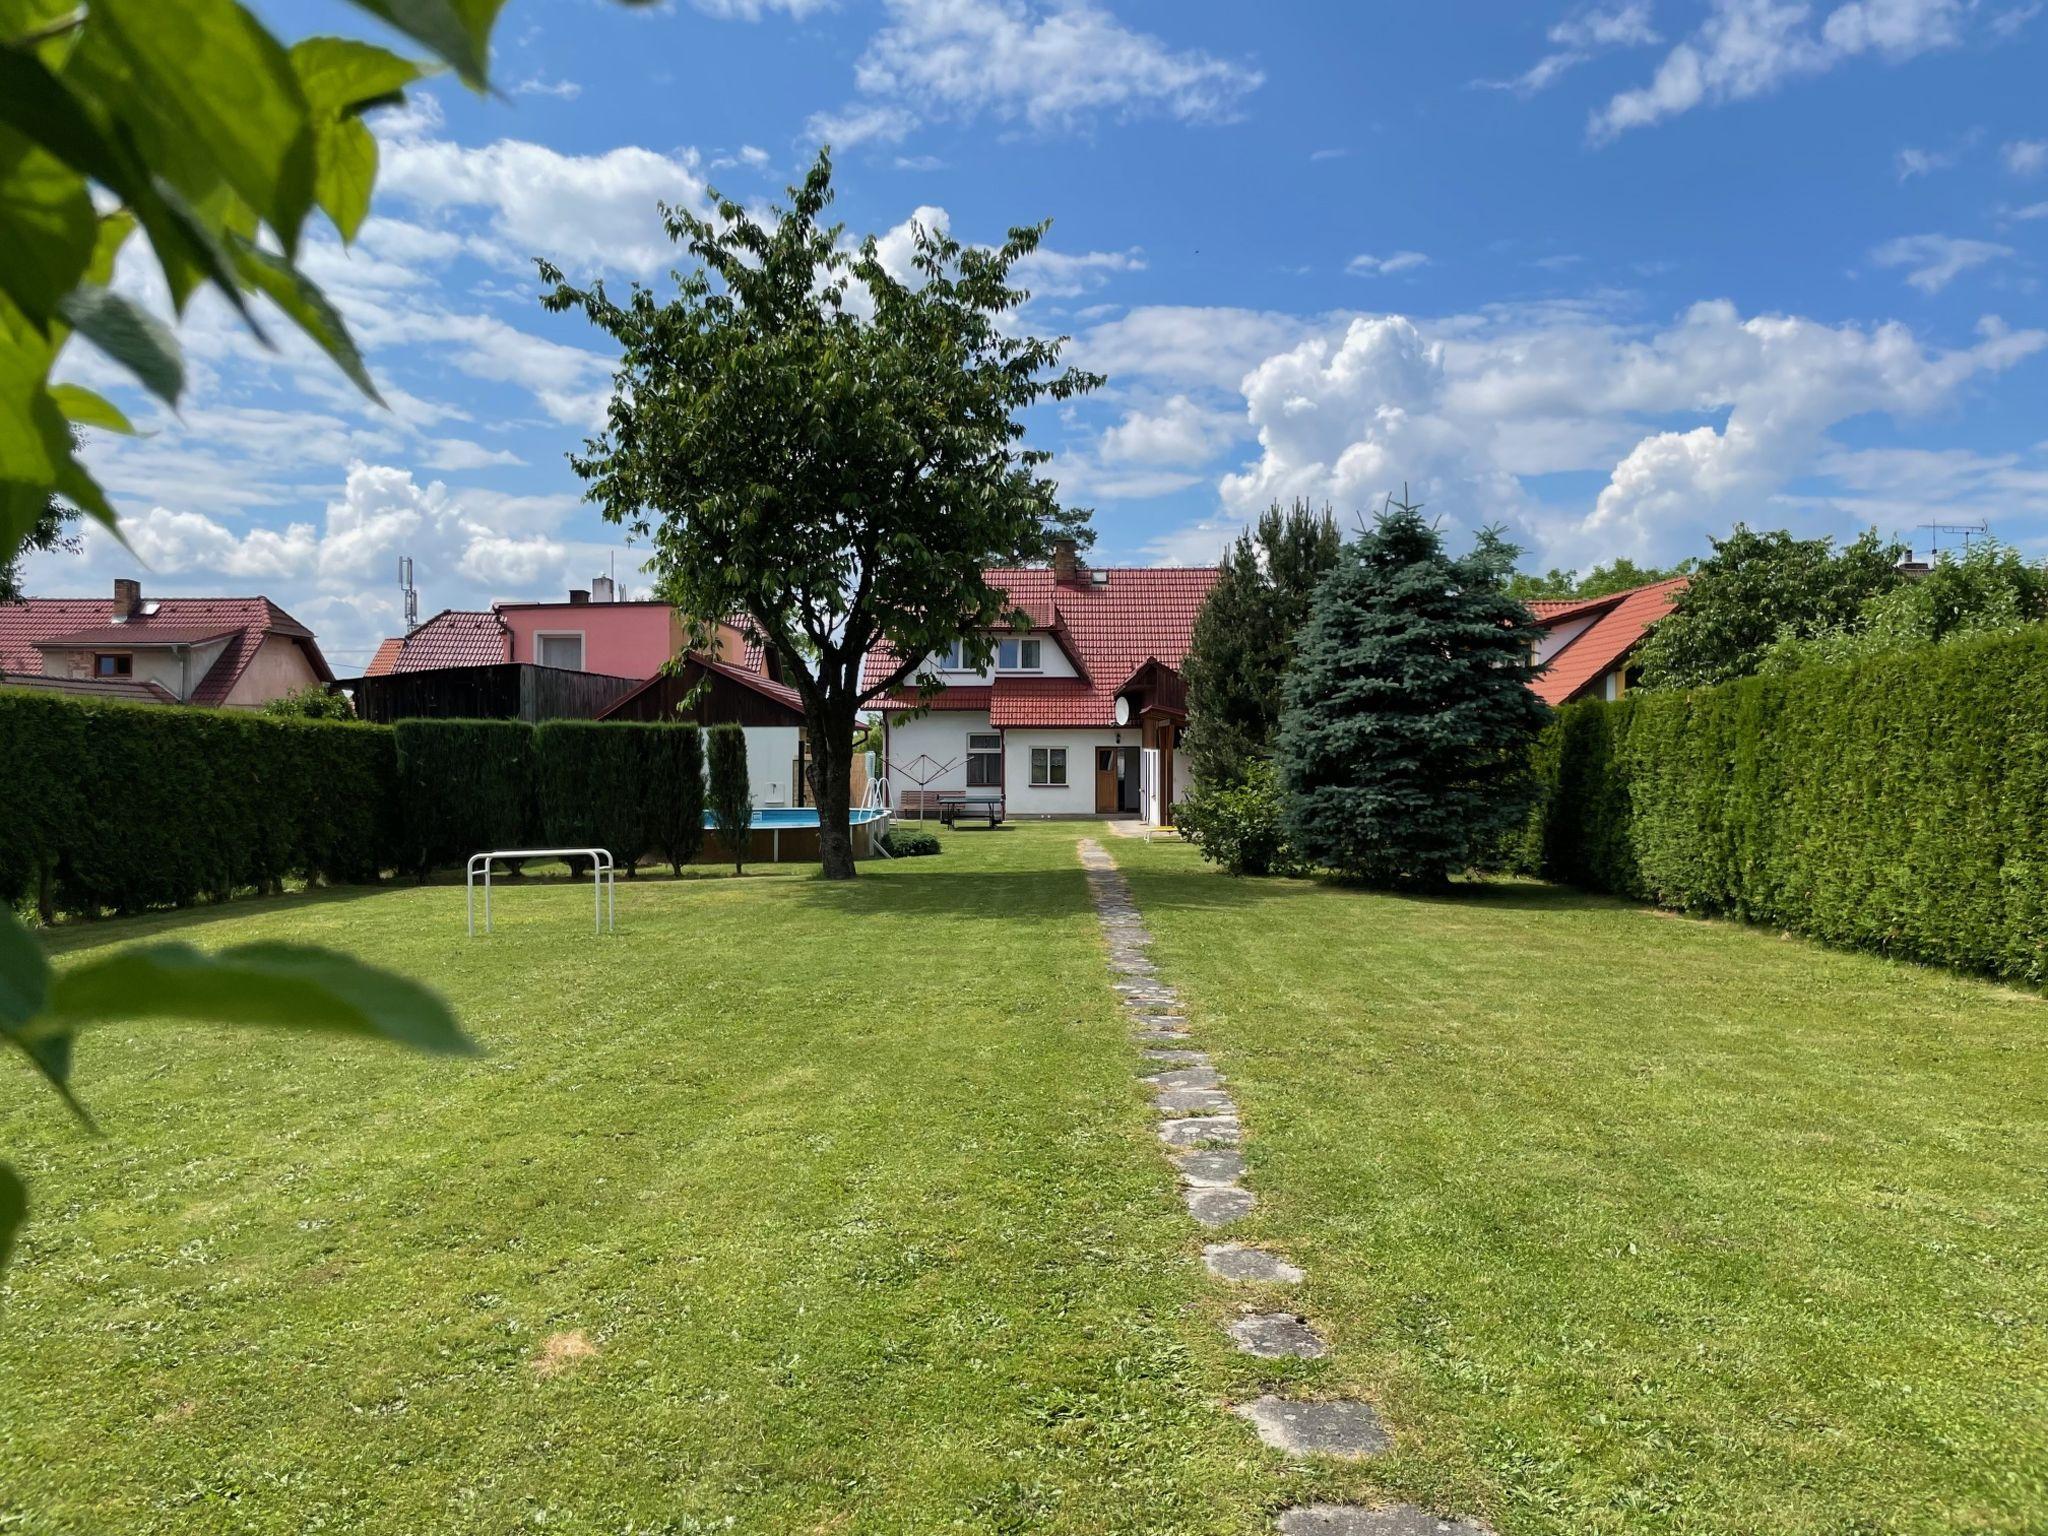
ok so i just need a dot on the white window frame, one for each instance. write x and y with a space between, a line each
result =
541 638
973 752
953 658
1035 647
1064 781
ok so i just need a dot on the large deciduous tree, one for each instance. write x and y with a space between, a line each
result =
829 447
1244 636
1405 747
1757 588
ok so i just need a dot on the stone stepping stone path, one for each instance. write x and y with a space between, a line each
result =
1350 1431
1199 1124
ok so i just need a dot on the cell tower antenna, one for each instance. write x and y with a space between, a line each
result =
412 596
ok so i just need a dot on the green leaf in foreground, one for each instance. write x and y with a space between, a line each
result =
130 335
293 986
458 31
24 995
90 408
307 307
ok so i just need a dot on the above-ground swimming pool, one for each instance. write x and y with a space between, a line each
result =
772 817
778 819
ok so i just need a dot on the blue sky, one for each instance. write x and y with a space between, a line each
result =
1616 275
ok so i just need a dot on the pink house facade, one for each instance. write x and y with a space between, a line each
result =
632 639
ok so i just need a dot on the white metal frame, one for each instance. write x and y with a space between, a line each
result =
581 637
604 882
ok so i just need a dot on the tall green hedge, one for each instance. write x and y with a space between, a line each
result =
589 789
123 806
463 786
1900 805
672 777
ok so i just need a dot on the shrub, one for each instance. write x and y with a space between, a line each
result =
1241 826
463 786
1899 805
909 845
588 789
672 782
131 806
730 793
312 702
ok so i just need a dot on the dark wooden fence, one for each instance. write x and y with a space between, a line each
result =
511 690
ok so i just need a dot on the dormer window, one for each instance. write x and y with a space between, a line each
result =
1017 655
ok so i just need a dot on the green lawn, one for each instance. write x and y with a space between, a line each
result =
842 1210
852 1190
1636 1223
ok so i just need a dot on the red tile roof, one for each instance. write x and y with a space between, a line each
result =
127 690
1110 630
61 622
386 659
1619 622
454 637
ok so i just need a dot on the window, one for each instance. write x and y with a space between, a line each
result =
560 651
1049 767
951 659
122 665
1017 655
984 762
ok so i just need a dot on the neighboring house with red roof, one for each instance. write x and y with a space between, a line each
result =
1074 715
1588 645
231 652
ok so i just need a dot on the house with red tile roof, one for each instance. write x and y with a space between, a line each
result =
1587 644
1079 713
229 652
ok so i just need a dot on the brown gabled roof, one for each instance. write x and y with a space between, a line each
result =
126 690
767 687
1109 630
1618 623
60 623
454 637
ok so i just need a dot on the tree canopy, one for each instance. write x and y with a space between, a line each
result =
1756 588
1243 639
829 447
1404 750
1617 575
1987 589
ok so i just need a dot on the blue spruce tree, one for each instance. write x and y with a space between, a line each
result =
1404 745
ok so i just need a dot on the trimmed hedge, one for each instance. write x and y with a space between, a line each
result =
464 785
672 775
127 806
1899 805
589 789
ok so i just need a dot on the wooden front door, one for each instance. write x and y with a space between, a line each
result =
1106 780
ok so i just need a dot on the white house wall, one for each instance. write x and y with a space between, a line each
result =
771 762
941 736
1052 663
1022 798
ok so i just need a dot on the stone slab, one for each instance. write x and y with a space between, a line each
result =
1219 1207
1347 1431
1176 1057
1278 1336
1194 1101
1230 1261
1201 1131
1210 1170
1187 1077
1158 1036
1356 1520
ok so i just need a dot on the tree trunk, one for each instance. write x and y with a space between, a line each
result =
831 771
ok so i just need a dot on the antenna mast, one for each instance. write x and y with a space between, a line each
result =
412 596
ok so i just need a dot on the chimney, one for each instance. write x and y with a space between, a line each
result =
1066 561
601 590
127 599
579 596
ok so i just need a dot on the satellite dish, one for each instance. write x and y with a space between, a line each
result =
1123 709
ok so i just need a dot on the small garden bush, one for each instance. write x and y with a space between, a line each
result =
1241 826
909 845
1899 805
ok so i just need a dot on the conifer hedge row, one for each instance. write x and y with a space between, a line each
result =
124 807
127 806
1900 805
